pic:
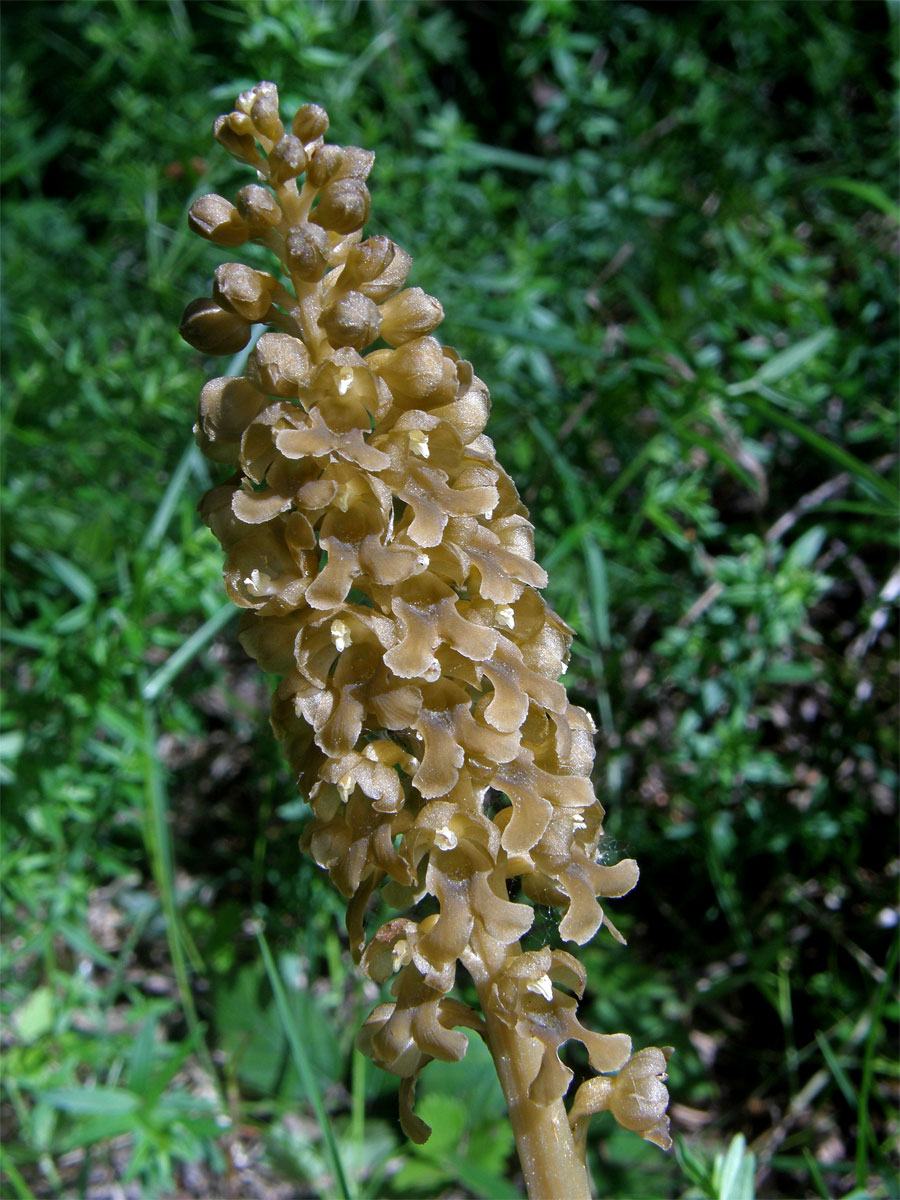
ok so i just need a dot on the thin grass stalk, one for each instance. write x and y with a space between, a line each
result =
186 652
865 1133
159 844
20 1187
304 1069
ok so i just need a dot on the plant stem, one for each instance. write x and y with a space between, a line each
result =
551 1164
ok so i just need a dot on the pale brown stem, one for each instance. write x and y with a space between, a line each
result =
551 1164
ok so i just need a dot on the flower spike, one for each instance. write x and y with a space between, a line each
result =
385 565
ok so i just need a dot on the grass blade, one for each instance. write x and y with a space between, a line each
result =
94 1102
140 1067
865 1133
598 586
524 334
179 659
20 1187
159 848
730 1173
841 1077
71 577
871 193
793 357
717 451
186 464
594 558
847 461
816 1175
480 154
191 461
784 363
572 485
304 1067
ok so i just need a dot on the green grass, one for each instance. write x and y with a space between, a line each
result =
666 236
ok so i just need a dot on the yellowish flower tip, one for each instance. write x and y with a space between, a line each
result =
386 567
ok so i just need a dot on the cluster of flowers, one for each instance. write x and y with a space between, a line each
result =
386 566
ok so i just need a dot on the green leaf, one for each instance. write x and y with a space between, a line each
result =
696 1169
96 1101
475 1077
250 1032
841 1078
790 673
11 745
482 1182
598 589
871 193
422 1176
805 551
293 810
73 620
189 461
844 459
97 1129
189 650
718 452
142 1054
32 157
34 1018
71 576
299 1053
793 357
490 1147
80 940
526 334
447 1117
174 1106
20 1187
732 1173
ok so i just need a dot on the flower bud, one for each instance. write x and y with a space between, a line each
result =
307 251
240 145
391 279
243 290
343 206
216 219
367 260
410 314
287 159
245 101
323 165
351 321
227 406
310 122
258 207
279 365
241 123
212 330
264 111
355 163
412 372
